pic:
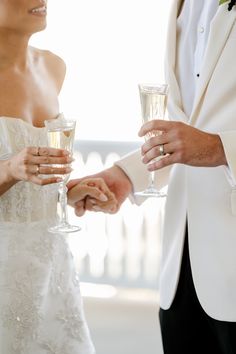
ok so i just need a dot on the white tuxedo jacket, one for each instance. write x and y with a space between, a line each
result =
207 196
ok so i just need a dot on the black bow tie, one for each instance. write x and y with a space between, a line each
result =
231 4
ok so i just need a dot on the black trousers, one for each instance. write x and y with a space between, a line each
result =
186 328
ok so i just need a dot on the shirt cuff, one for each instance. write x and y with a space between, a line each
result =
139 176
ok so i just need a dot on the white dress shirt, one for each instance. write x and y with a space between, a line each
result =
193 27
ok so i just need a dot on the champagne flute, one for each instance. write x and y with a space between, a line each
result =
60 134
153 99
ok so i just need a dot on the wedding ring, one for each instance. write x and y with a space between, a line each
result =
161 150
37 152
37 170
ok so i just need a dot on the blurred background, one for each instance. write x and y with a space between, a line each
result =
110 46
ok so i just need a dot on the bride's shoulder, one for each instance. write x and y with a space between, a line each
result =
49 58
54 64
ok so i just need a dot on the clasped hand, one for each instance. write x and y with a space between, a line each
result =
180 143
32 162
114 185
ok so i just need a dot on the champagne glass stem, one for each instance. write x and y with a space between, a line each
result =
60 133
152 180
63 202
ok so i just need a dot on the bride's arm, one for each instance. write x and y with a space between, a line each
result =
6 181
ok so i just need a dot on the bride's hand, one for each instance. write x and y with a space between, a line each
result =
94 192
32 162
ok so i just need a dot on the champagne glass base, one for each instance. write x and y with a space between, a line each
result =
151 192
64 228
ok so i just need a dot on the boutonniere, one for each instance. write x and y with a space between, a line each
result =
232 3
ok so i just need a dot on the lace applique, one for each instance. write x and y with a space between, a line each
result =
42 248
60 276
5 208
58 281
18 204
38 244
21 314
75 280
22 136
53 348
22 203
72 319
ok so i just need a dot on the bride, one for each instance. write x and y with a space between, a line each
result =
40 303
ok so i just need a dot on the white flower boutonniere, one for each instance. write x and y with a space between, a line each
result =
232 3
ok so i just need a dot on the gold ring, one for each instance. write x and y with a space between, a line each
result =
161 150
37 170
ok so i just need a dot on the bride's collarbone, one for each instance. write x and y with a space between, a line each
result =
31 106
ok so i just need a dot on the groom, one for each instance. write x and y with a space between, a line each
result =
198 268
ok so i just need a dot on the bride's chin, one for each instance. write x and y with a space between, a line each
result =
39 28
42 28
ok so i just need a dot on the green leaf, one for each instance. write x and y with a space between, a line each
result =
222 2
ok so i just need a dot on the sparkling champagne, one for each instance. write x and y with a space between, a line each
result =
153 105
61 138
60 134
153 99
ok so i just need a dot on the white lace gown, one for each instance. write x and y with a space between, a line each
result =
41 309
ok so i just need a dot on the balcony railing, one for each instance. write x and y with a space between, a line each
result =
121 249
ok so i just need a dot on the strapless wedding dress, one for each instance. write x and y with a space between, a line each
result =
41 309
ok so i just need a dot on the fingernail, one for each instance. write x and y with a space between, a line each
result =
103 198
96 208
143 160
92 201
59 180
65 152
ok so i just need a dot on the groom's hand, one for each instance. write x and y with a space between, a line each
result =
118 185
94 189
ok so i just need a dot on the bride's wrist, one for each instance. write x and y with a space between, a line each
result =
9 177
6 180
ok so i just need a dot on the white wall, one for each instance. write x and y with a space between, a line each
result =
109 47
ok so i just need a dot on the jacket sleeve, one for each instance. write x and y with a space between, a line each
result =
137 172
229 143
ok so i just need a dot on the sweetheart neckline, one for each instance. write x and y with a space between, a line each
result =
21 120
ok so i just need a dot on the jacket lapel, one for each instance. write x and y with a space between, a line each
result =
174 101
219 32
